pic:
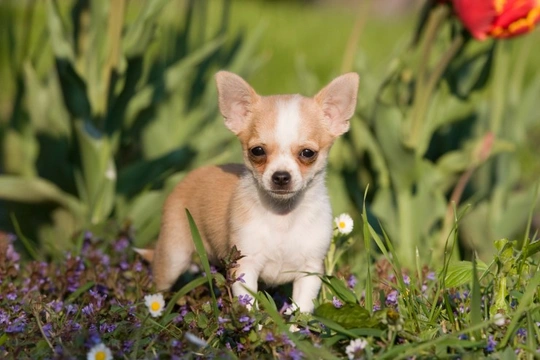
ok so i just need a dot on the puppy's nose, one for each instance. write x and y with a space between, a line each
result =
281 178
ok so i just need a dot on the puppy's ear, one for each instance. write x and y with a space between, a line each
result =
338 102
236 100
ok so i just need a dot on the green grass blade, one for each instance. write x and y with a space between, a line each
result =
27 243
81 290
367 247
204 258
182 292
476 300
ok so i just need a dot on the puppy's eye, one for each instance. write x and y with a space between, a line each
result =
257 151
307 153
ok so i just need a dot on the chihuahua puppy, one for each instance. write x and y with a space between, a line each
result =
274 208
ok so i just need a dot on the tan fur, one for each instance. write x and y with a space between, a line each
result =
192 193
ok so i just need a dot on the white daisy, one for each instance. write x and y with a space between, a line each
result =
344 223
355 350
500 320
99 352
155 304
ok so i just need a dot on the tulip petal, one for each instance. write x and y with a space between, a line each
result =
517 17
476 16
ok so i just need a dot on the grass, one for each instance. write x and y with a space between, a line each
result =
63 309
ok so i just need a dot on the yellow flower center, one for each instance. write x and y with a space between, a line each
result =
155 306
100 355
342 224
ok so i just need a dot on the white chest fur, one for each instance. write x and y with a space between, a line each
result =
280 247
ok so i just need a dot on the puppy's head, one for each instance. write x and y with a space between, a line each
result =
286 138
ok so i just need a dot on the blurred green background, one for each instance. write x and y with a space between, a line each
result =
104 106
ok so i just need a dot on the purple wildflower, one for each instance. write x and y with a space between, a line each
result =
93 338
241 278
12 255
138 266
11 296
430 275
270 337
107 328
4 317
128 344
248 322
16 327
71 309
490 347
73 326
305 331
88 310
391 298
47 330
287 341
245 299
56 305
124 265
406 279
121 244
181 314
351 281
296 354
336 302
376 307
240 347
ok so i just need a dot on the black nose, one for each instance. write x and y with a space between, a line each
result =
281 178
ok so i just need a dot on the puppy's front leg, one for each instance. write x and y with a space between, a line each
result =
305 289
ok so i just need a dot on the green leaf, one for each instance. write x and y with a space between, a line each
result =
36 190
62 47
136 176
349 315
141 32
204 259
461 273
339 289
99 171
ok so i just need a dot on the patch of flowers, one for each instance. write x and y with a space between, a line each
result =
100 304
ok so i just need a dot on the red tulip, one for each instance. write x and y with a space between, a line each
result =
498 18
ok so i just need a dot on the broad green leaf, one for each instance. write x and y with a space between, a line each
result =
461 273
20 151
36 190
138 175
140 34
99 170
62 47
